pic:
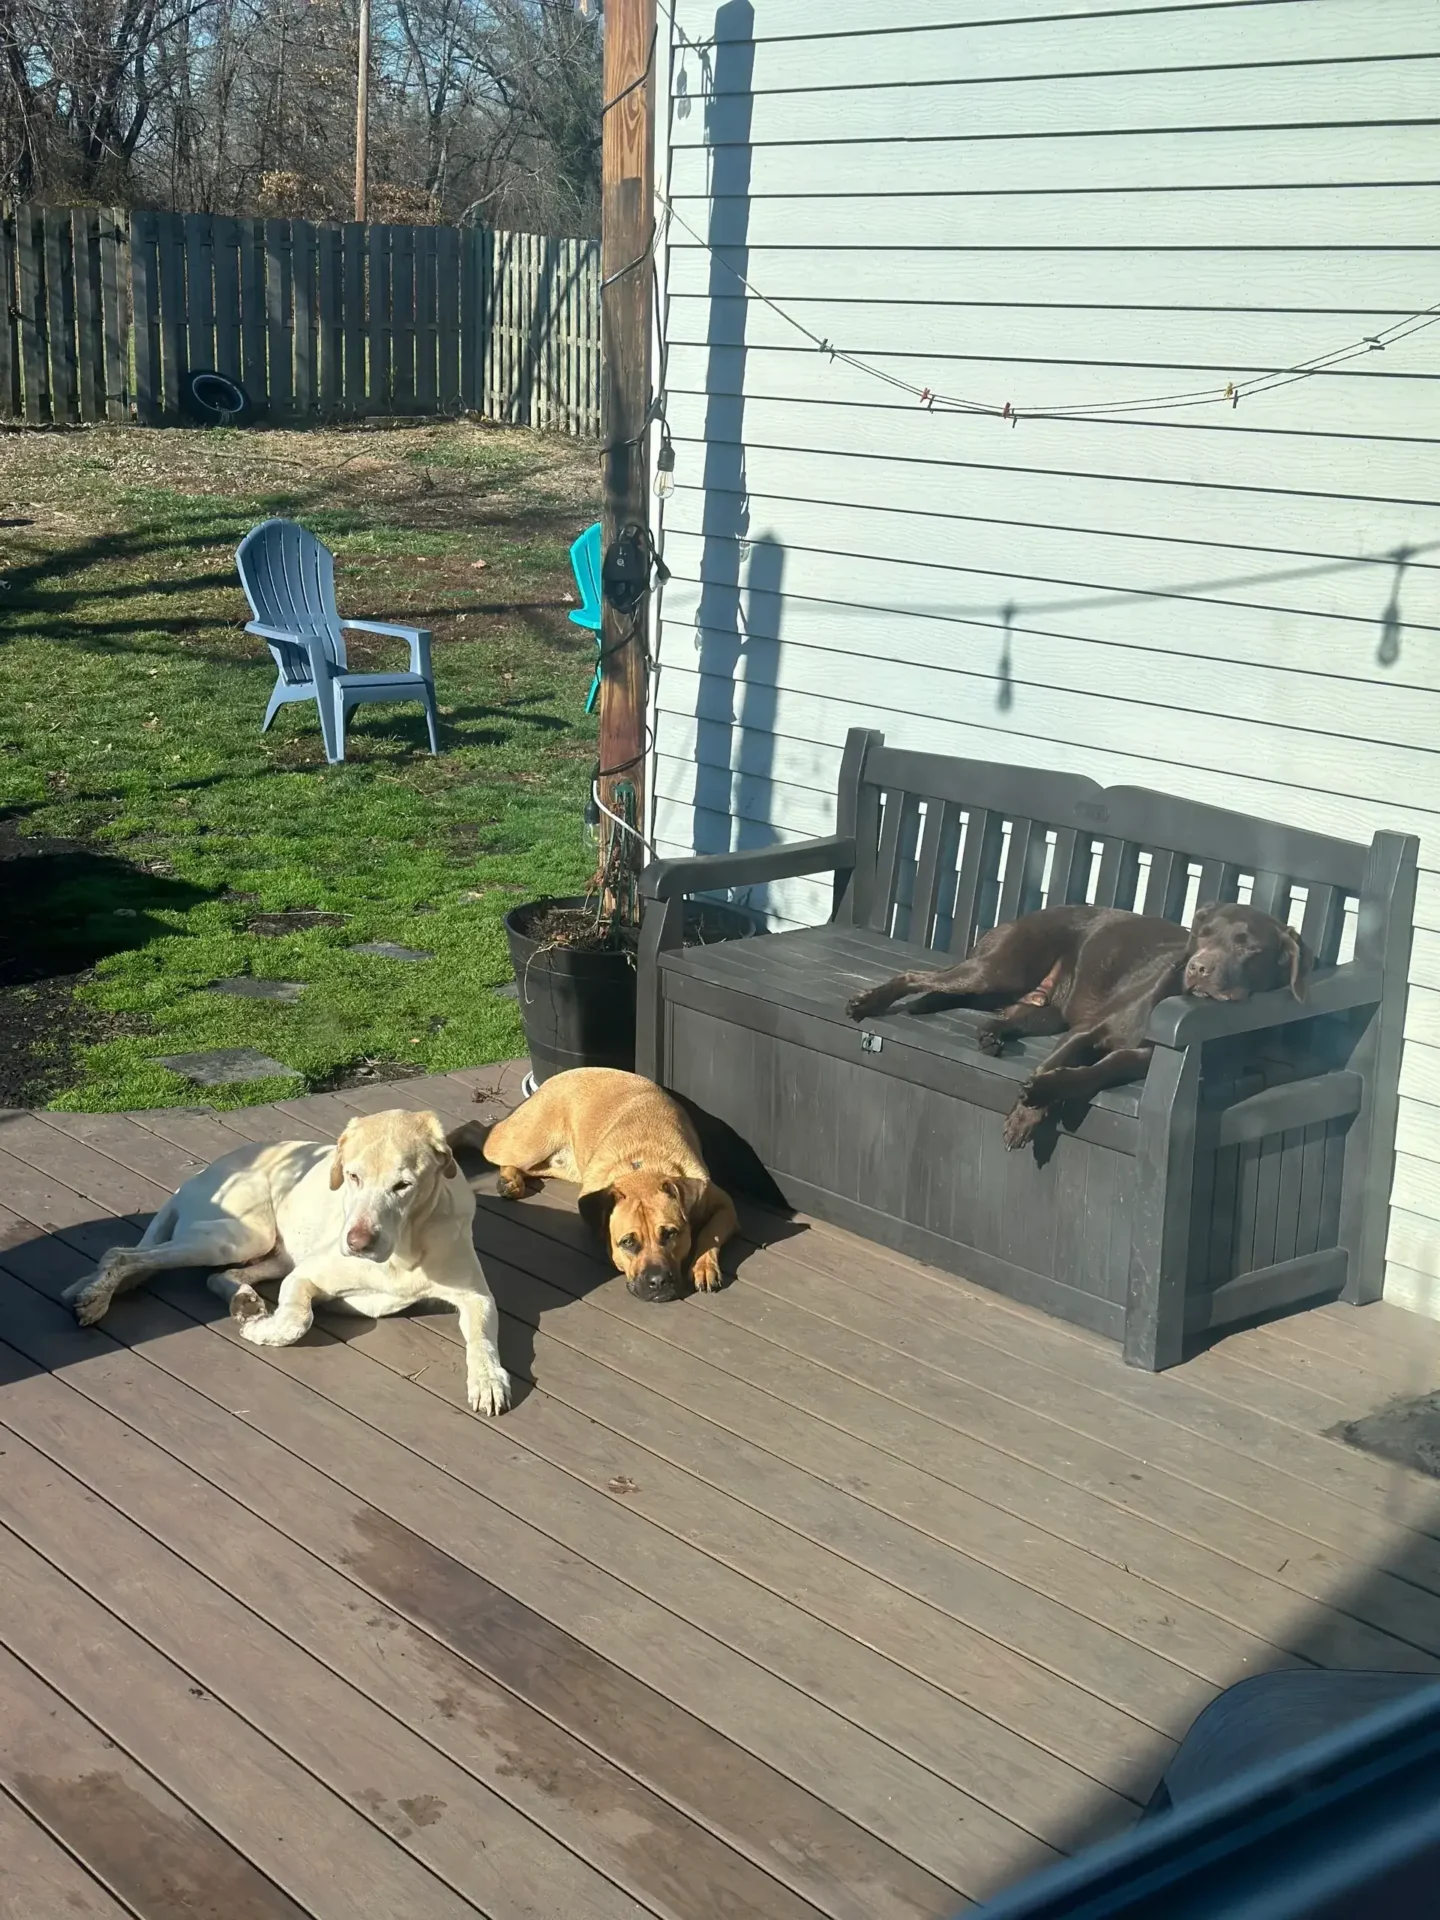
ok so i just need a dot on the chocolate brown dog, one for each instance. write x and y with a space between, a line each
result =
634 1156
1096 974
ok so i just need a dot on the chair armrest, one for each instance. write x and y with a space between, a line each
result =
1183 1019
310 644
416 638
710 872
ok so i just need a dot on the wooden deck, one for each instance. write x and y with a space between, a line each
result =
849 1591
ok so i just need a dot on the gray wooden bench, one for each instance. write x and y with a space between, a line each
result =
1249 1173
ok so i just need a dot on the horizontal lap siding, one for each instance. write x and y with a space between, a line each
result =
1088 206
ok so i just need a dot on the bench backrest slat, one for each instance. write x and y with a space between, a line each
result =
949 848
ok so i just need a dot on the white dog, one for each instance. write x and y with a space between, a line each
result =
375 1224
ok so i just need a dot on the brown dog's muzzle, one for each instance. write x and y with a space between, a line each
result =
654 1283
1213 976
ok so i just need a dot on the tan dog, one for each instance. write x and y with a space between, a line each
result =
375 1224
634 1155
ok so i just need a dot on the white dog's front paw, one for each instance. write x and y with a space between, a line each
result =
89 1300
488 1391
272 1330
247 1305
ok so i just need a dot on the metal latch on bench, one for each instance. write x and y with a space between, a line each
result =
871 1043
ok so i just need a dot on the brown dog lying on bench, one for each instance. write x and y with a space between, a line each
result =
1096 974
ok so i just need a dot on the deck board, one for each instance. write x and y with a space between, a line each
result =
852 1590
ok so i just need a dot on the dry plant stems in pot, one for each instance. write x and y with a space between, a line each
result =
574 957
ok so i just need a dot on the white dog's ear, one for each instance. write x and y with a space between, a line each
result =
440 1145
337 1164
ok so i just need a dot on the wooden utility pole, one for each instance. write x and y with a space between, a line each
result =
627 268
362 117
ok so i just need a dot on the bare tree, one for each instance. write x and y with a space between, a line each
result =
485 110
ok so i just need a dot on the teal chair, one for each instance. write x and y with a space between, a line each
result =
585 559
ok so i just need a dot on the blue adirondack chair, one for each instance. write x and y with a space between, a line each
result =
585 559
289 580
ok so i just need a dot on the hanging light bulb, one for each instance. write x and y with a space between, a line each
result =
665 469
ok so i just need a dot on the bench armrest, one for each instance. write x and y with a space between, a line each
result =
1183 1020
711 872
416 638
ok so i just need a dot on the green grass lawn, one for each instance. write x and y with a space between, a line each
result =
130 709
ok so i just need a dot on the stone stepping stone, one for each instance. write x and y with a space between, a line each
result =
388 950
226 1066
244 988
299 920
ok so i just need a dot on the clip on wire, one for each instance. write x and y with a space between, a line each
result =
1007 412
927 399
1232 393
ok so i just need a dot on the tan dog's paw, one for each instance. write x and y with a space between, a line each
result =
513 1183
706 1273
246 1304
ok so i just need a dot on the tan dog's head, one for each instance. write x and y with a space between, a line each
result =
645 1219
390 1166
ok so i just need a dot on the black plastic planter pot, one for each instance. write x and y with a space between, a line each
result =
578 1007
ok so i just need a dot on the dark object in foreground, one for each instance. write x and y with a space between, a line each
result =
1097 974
575 971
1247 1175
1343 1827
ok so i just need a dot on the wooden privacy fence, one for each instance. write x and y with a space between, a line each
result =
106 313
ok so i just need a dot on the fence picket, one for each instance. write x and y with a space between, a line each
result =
329 315
199 292
115 319
379 390
226 259
9 320
174 334
59 314
354 318
89 341
278 315
354 385
402 327
427 342
254 324
145 306
302 280
447 320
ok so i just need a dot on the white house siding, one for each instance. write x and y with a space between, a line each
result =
1086 203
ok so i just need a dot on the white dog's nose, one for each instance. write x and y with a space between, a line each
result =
359 1238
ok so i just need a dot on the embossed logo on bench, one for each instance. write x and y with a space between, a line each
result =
1092 810
871 1042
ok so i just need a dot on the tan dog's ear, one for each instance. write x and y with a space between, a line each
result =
1301 961
596 1209
337 1165
688 1192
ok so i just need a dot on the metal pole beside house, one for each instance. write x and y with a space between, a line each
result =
627 266
362 115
